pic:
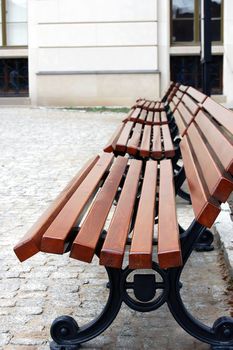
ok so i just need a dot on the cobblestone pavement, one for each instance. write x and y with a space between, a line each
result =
41 149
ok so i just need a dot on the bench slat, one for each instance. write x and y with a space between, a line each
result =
163 117
152 106
156 144
141 102
29 245
183 88
218 141
132 115
220 113
172 107
186 115
205 208
133 143
150 118
123 139
218 184
169 150
141 246
85 243
169 251
176 100
111 145
197 95
55 237
145 144
147 105
112 252
180 122
143 115
157 118
190 104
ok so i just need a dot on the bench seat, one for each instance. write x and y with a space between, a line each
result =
77 219
136 139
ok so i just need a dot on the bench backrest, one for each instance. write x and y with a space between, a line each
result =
207 152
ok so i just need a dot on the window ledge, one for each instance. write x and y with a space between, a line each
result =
194 50
13 52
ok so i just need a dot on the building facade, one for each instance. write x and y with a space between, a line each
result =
109 52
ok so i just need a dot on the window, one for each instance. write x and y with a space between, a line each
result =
185 21
187 70
13 20
14 77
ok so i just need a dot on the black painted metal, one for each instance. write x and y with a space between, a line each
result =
221 333
65 331
54 346
184 195
145 292
206 45
204 242
155 301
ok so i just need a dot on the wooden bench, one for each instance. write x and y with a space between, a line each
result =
124 211
147 133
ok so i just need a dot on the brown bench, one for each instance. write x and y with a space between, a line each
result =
149 134
139 199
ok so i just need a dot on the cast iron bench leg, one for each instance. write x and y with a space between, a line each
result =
66 333
220 335
204 241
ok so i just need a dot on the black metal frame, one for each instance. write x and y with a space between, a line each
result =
67 335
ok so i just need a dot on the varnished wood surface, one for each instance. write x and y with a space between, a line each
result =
30 243
141 247
111 145
191 104
187 116
85 243
133 143
146 140
206 209
169 150
220 142
112 252
124 136
180 122
169 251
156 146
218 183
55 237
197 95
221 114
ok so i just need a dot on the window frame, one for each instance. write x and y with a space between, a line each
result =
4 31
196 29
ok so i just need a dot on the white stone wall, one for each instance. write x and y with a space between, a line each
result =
77 42
228 52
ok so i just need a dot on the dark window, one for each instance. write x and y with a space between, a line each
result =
14 77
185 21
187 70
216 14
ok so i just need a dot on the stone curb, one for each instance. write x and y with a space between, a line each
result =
223 228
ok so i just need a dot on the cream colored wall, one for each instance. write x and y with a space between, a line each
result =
77 42
164 43
228 52
96 90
